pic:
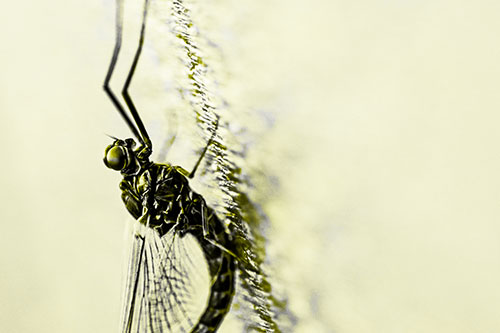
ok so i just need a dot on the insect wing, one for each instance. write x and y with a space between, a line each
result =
167 285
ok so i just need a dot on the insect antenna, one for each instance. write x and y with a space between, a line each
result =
125 93
111 136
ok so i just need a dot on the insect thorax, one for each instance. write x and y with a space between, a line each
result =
162 192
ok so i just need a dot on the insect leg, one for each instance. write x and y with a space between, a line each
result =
221 247
125 93
167 144
209 142
204 222
205 229
111 68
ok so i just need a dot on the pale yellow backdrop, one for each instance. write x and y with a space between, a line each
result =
384 141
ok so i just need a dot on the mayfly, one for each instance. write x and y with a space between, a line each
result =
168 212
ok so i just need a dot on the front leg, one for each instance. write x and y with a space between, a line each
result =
143 152
131 201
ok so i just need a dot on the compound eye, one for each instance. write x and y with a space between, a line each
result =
116 158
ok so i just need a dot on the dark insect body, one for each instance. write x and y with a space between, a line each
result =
159 197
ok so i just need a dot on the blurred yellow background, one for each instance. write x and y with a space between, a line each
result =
384 142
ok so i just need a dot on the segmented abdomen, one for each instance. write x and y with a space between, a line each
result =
221 295
222 268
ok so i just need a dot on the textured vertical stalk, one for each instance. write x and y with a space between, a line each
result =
242 217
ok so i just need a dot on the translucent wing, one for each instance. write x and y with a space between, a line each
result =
168 282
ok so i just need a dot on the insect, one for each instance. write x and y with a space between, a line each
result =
174 222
